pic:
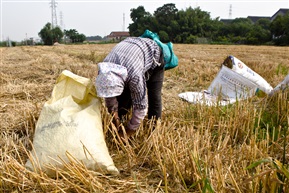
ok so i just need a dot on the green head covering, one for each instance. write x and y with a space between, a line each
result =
171 60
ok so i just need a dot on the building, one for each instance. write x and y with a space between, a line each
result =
254 19
118 35
226 21
279 12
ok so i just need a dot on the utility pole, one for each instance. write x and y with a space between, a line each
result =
61 20
123 20
53 14
230 12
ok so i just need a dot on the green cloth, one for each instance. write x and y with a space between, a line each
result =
171 60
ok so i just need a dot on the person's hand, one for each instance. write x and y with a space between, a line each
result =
134 123
132 127
127 131
116 120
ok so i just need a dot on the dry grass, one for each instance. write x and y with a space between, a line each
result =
194 149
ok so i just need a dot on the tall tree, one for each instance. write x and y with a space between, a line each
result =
74 36
195 23
280 29
166 19
237 30
50 35
260 32
142 20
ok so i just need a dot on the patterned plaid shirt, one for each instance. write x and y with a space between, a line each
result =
138 55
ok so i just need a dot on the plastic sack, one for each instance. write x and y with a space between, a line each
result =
238 66
206 98
235 81
70 125
232 85
171 60
226 88
284 84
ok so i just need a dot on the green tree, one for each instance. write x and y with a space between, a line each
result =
142 20
164 36
74 36
166 19
196 23
264 23
236 31
94 38
50 35
259 33
280 30
241 26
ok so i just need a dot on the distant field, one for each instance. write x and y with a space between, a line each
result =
195 148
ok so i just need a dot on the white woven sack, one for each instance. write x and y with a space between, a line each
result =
232 85
282 85
70 124
206 98
245 71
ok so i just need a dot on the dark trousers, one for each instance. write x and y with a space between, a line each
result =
154 90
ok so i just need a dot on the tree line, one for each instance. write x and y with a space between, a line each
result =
49 35
189 26
194 25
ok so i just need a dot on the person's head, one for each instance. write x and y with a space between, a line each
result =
110 79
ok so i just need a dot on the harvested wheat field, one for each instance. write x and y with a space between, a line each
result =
241 147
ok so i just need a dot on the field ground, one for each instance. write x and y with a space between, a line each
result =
194 149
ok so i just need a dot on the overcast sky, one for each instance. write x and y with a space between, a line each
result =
25 18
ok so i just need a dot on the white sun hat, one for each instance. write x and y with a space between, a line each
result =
110 79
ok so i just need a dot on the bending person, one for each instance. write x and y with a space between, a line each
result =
131 76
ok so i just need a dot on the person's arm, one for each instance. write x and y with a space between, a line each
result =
137 116
137 86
